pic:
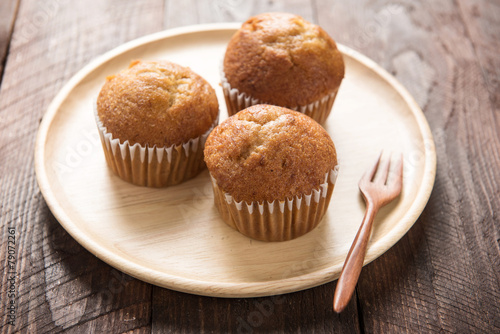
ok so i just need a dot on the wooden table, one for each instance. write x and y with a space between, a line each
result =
443 276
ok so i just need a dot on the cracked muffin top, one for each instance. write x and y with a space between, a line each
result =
267 153
282 59
157 103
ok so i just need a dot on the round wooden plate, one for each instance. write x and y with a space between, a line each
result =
174 237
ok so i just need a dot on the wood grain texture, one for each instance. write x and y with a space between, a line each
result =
198 12
446 270
443 276
8 12
60 286
301 312
481 22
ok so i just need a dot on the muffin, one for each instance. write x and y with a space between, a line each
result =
153 120
281 59
273 171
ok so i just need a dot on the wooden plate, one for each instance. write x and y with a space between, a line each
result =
174 237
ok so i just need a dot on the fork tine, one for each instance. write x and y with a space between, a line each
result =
384 166
396 178
369 174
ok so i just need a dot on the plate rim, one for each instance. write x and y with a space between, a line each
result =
229 289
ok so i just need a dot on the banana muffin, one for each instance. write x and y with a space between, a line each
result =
281 59
153 118
273 171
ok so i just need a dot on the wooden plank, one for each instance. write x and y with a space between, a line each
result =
305 311
198 12
481 22
444 275
8 12
59 286
301 312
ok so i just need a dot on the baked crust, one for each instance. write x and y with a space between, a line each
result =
282 59
157 103
267 153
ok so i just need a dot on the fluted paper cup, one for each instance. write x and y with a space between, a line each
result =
277 220
236 101
153 166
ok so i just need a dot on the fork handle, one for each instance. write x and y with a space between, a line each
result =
354 261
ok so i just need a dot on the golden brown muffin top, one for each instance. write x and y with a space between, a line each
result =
264 153
157 103
282 59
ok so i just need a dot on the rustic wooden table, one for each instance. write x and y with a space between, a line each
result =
443 276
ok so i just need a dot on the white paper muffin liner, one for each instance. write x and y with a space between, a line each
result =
153 166
277 220
236 101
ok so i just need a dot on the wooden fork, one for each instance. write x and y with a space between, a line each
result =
378 187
